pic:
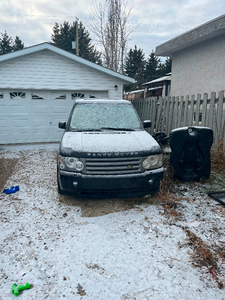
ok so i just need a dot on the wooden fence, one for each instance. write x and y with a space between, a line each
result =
167 113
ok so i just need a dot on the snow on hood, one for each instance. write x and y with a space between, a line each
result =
108 142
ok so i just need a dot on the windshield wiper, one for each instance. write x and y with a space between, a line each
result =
118 129
82 130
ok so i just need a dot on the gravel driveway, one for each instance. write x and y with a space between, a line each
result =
136 248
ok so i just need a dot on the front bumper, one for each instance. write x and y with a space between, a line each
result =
110 185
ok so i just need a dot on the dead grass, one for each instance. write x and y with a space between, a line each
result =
203 257
217 162
6 167
165 195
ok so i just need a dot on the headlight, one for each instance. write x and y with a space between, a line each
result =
153 162
70 164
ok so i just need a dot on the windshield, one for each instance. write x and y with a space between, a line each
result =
100 116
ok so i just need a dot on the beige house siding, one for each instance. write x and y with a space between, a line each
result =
199 69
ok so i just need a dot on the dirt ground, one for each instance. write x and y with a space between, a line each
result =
6 167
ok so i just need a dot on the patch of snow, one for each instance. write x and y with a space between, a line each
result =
128 255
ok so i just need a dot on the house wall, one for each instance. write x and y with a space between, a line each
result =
199 69
48 71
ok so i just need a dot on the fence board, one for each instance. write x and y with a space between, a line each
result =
204 110
197 109
186 111
153 114
159 114
168 113
218 118
211 109
180 111
191 111
175 118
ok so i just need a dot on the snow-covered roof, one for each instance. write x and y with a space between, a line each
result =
134 92
155 88
164 78
75 58
140 91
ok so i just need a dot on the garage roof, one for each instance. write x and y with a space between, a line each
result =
192 37
49 47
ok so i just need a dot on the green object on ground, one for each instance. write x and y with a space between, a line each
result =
17 288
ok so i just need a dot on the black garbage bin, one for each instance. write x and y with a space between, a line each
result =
190 152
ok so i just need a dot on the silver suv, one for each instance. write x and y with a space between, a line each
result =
105 151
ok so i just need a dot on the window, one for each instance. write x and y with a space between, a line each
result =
91 96
17 95
61 97
36 97
1 95
77 95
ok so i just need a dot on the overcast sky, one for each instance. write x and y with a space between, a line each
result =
153 21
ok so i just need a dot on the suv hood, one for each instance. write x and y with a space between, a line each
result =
107 143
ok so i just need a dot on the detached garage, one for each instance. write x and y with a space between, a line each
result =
38 87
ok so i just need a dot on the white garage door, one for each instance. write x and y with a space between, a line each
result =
33 116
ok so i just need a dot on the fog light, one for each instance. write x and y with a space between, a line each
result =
75 184
150 181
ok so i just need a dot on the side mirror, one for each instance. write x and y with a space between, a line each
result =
62 125
147 123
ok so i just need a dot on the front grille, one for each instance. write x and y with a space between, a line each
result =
113 166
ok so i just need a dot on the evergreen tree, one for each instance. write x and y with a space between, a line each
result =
18 44
7 45
152 69
63 35
135 66
168 65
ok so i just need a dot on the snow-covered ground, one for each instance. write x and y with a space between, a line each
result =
135 254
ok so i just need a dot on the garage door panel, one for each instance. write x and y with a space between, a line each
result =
4 133
41 136
20 137
3 123
4 138
39 109
40 122
3 109
18 109
59 109
21 123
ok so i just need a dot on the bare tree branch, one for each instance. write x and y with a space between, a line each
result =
109 24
